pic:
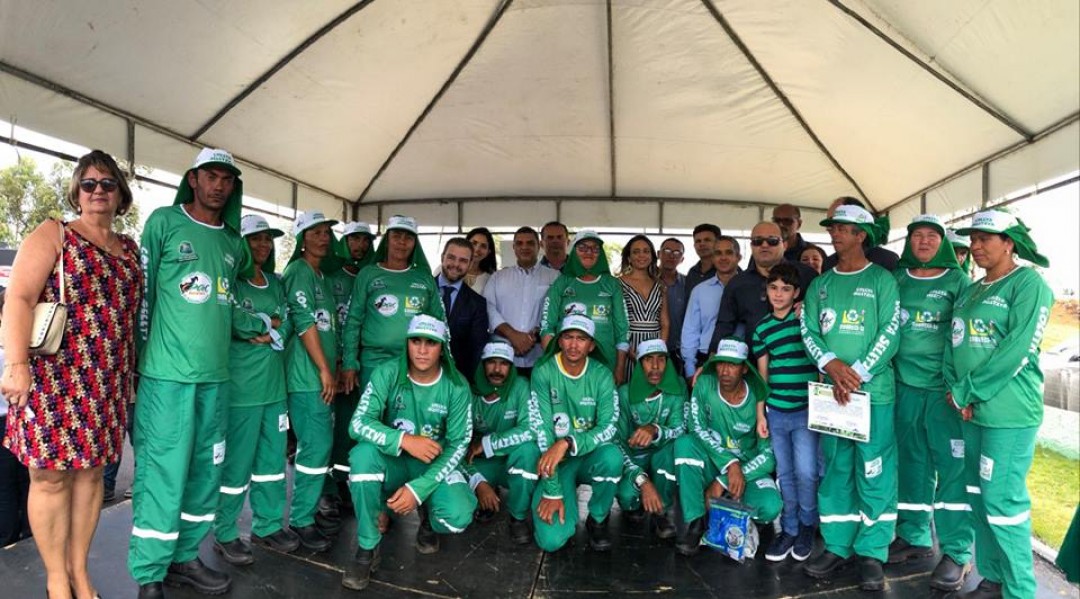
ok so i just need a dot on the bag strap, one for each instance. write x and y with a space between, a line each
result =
60 270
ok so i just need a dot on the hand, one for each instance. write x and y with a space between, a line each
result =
736 482
650 498
261 339
715 491
476 449
643 436
620 376
15 384
421 448
487 498
693 379
402 501
552 457
348 380
763 428
798 309
968 413
383 522
329 386
845 380
549 507
521 342
275 322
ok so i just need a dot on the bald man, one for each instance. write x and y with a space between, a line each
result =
789 219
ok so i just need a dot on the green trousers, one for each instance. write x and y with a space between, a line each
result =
659 465
255 461
602 469
375 476
179 440
930 453
312 421
696 472
343 407
857 495
516 473
998 461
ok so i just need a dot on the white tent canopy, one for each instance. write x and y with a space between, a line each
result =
640 114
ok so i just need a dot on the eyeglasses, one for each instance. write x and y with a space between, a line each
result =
668 252
772 240
588 249
107 185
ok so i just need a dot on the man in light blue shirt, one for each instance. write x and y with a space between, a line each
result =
704 304
515 296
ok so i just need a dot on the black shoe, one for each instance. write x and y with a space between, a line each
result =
198 576
327 526
664 527
985 590
358 572
948 575
329 507
599 538
236 552
311 539
635 516
902 551
825 564
282 541
691 540
519 531
871 574
484 516
427 542
151 590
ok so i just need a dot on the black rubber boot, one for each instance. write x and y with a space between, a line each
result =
901 551
358 572
871 574
198 576
599 537
427 542
311 539
282 541
235 552
151 590
519 532
825 564
691 539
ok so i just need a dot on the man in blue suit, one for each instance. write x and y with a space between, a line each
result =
466 310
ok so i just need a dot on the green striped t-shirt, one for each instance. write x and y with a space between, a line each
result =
790 369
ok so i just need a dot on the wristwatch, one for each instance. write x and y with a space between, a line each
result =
639 480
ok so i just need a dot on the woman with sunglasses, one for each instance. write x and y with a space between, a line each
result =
66 418
586 287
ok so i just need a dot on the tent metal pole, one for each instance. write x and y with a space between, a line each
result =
295 197
460 216
985 183
130 147
711 7
922 204
950 81
438 95
660 216
258 82
611 100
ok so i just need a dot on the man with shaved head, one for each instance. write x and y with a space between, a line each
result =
744 303
789 219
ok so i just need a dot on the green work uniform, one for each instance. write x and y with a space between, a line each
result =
992 364
186 323
855 317
584 409
258 421
664 412
720 434
600 300
341 286
310 305
392 405
510 450
929 437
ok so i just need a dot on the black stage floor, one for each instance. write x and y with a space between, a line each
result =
483 563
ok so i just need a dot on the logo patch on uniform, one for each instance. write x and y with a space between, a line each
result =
219 453
873 467
827 320
413 304
986 468
562 424
318 293
386 304
187 252
580 423
957 331
402 424
282 423
229 260
853 321
957 446
575 308
599 311
322 320
823 293
765 483
555 396
247 304
222 290
195 288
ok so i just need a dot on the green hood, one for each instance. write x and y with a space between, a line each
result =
640 388
945 257
753 378
417 260
341 251
482 386
553 348
573 266
995 221
445 360
956 241
230 215
330 263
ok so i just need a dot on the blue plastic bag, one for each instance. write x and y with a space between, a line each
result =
730 530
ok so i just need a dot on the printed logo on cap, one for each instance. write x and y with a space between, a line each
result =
731 348
499 350
651 346
992 219
195 288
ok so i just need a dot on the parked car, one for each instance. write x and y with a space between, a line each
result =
1061 371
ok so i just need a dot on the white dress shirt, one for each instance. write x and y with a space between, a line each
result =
515 296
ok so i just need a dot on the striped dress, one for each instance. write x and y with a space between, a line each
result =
790 369
643 314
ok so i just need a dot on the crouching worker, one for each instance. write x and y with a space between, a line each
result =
573 411
722 448
503 452
412 427
651 418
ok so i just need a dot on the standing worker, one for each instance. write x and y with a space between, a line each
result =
993 376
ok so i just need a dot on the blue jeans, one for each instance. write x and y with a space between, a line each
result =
796 449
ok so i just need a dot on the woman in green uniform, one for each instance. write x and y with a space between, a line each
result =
311 358
586 287
993 376
258 416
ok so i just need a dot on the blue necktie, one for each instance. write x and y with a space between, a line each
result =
446 292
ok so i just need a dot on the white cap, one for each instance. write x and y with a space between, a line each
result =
356 227
584 234
577 322
216 156
990 221
430 327
732 350
957 239
402 223
927 219
498 349
253 223
307 220
651 346
849 214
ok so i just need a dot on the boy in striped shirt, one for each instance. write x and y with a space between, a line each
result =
782 361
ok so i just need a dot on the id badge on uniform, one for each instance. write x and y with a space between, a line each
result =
282 423
219 453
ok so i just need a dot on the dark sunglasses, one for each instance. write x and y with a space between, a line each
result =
772 240
107 185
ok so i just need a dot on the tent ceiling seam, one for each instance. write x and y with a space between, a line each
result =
143 122
584 198
611 100
488 28
297 51
735 39
938 73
